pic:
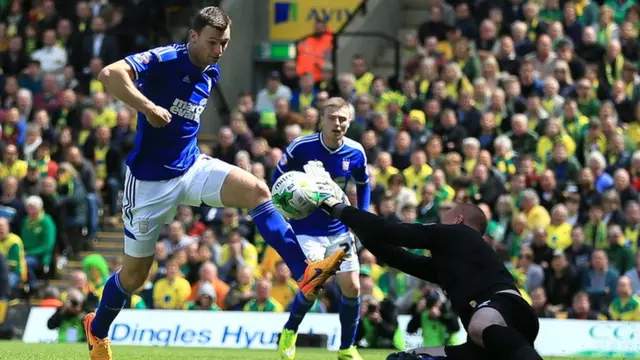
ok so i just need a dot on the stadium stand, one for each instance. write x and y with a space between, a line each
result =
530 109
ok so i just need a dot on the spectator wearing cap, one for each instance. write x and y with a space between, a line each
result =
265 100
595 229
206 299
620 257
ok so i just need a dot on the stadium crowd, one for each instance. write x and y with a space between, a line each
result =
530 109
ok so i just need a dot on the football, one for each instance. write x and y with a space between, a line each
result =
295 195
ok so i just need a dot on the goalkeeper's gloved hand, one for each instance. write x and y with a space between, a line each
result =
330 193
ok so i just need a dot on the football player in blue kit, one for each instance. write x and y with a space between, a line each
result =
169 87
319 235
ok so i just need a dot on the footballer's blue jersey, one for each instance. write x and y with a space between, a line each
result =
167 77
346 163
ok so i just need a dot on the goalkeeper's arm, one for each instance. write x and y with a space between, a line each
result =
385 239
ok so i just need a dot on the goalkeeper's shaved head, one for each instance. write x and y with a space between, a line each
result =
467 214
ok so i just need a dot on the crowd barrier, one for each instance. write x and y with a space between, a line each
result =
260 331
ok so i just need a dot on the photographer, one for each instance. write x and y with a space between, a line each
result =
434 317
379 325
68 319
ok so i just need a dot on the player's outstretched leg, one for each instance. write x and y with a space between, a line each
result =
489 330
243 190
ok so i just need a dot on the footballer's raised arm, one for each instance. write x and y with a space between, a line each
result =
118 80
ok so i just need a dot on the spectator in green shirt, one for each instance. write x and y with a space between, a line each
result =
620 257
38 235
263 300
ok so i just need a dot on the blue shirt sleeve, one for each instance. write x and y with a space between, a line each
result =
361 178
143 62
288 161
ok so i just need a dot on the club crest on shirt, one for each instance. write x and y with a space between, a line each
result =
143 58
345 164
283 160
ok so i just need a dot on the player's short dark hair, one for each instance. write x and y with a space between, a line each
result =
211 16
474 217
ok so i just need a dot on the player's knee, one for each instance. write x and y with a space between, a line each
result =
349 284
132 276
258 194
475 331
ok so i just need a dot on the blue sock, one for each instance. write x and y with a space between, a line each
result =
113 299
298 309
277 232
349 319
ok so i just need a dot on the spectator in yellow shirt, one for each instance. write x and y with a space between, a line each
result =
172 291
11 165
284 288
237 252
625 306
103 114
384 170
537 216
559 230
263 300
416 175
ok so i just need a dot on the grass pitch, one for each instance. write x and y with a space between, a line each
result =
20 351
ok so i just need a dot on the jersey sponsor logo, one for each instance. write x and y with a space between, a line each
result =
188 110
345 164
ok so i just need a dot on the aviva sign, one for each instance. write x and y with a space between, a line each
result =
292 20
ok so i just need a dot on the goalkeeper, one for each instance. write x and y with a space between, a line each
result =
499 322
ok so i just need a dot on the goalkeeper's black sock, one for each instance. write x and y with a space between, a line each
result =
508 344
